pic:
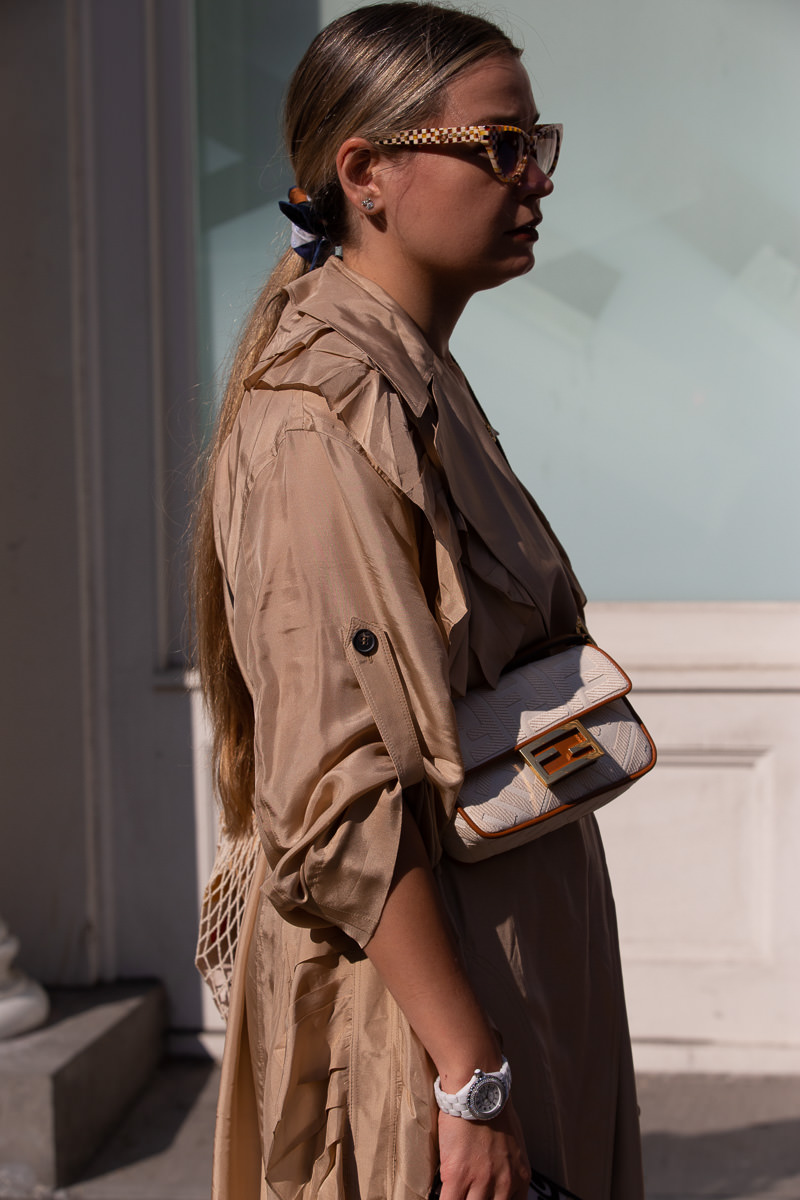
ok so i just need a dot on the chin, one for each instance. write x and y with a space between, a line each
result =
509 271
519 263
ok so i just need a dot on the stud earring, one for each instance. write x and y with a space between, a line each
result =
368 204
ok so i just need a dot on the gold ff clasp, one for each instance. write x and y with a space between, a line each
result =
560 752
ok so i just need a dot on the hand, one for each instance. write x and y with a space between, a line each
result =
483 1160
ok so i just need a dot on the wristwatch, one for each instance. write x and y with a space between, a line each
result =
481 1098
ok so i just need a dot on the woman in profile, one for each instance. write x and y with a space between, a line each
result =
364 555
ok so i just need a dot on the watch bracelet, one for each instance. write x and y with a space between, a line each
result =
457 1104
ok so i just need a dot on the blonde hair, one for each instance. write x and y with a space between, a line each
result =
367 74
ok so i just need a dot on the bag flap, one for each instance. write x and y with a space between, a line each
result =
535 698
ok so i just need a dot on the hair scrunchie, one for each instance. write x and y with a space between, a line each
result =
309 237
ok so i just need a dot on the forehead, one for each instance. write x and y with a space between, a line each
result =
496 90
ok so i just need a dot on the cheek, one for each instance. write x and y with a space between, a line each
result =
428 207
447 211
453 197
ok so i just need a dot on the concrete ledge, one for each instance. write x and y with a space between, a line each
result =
65 1086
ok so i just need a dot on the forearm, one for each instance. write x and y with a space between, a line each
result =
414 951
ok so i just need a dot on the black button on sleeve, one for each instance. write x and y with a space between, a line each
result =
365 641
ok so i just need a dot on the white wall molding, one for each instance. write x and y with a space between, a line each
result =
703 647
703 851
712 1058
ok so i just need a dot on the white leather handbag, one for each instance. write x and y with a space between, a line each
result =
556 739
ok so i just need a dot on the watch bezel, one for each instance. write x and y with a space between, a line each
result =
488 1078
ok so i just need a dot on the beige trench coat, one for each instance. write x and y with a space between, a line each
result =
331 517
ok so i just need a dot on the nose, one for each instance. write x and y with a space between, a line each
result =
533 181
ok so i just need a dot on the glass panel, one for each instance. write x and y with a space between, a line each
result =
246 51
652 404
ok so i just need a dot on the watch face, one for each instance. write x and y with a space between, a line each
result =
487 1098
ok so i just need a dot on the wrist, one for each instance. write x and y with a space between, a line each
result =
457 1069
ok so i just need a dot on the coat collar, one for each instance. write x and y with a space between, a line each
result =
375 324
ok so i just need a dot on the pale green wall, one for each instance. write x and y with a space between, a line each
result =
645 377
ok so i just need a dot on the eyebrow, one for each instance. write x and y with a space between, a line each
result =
515 120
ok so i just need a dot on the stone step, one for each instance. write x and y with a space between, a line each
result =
64 1087
163 1150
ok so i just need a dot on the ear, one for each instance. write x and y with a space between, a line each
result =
357 164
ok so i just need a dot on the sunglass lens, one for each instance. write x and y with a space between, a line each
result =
509 150
545 149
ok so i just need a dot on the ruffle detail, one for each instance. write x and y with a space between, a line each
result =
306 1156
341 1126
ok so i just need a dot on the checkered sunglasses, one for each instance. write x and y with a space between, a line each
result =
508 147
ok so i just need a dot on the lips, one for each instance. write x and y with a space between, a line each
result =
525 232
528 229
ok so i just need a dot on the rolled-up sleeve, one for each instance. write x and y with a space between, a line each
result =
349 676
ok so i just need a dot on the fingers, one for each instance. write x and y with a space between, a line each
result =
483 1160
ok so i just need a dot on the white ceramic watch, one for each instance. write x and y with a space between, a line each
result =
483 1097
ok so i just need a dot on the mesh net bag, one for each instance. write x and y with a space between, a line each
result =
222 910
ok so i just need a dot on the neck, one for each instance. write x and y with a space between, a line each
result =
435 309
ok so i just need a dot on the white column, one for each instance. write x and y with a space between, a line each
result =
23 1003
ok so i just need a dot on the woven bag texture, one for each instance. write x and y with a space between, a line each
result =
221 913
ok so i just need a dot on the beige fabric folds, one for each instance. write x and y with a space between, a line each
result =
331 519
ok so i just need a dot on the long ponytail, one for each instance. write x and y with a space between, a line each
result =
228 702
